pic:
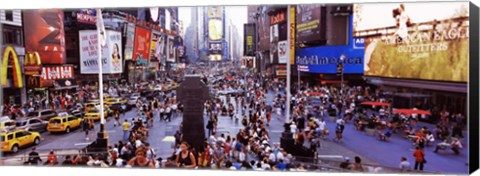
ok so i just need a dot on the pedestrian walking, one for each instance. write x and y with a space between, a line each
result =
125 128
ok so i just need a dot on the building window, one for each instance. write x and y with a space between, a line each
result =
8 15
12 35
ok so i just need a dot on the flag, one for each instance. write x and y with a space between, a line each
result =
102 38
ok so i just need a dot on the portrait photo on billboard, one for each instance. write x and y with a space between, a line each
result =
115 55
274 33
215 29
411 42
44 33
215 12
308 26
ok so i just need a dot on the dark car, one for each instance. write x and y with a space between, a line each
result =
119 107
45 115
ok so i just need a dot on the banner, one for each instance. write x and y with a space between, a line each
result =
249 48
44 33
292 35
215 57
142 43
282 52
58 72
170 49
160 47
10 57
130 39
409 43
308 22
111 53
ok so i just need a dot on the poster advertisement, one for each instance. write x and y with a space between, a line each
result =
170 49
412 43
282 52
111 53
308 22
142 43
160 48
44 33
130 39
88 16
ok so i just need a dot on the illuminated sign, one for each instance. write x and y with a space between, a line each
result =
278 18
32 64
11 54
215 30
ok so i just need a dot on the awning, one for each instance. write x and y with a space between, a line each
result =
411 111
375 103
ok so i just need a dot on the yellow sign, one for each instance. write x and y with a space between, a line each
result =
215 30
17 72
249 40
32 64
292 35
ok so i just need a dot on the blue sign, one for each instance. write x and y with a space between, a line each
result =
324 59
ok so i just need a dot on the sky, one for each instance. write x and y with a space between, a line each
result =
418 12
238 15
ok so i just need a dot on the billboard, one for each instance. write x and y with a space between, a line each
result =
308 26
142 43
264 30
160 48
215 12
282 52
170 49
250 40
215 57
88 16
292 35
130 39
409 42
44 33
111 53
215 47
215 29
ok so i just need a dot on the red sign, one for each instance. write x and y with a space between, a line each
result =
278 18
61 72
44 34
143 39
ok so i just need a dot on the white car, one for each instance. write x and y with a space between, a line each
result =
132 101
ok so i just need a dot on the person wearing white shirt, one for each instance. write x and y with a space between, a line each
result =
404 164
272 156
266 166
213 139
280 156
293 129
138 143
242 156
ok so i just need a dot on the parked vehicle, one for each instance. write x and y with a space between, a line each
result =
46 114
35 125
13 141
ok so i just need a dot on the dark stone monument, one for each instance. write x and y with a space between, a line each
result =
193 93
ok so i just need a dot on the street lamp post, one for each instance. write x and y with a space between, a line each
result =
342 66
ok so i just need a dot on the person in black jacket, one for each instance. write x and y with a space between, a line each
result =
33 157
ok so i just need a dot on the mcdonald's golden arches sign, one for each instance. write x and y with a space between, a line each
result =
10 54
32 64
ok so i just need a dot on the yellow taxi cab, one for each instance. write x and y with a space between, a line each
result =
7 125
92 105
94 114
12 141
111 101
63 123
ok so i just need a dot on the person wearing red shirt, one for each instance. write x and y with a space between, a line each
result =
419 155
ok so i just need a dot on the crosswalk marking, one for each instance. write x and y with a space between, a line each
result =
83 143
169 139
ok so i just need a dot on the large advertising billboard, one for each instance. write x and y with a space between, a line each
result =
111 53
171 49
215 29
130 39
308 26
324 59
142 43
407 41
44 33
249 39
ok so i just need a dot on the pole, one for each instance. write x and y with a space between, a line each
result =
100 81
299 82
289 70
